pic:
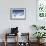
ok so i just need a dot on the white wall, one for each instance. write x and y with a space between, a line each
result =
24 25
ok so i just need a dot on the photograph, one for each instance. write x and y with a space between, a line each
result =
18 13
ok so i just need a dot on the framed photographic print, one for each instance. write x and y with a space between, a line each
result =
18 13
